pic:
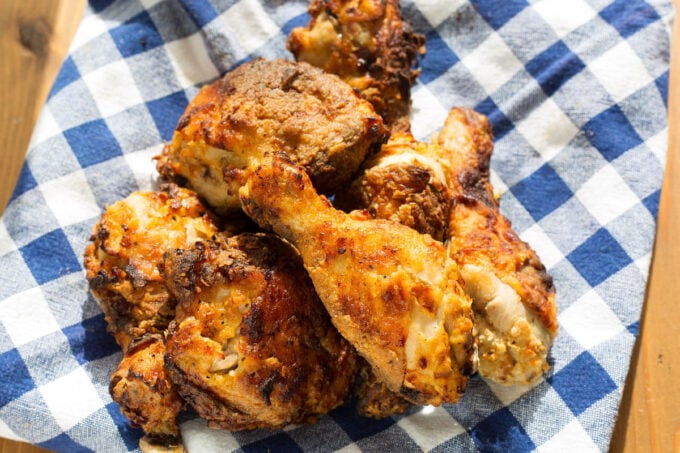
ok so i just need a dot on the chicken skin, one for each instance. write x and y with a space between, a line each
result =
252 346
369 46
405 182
513 295
121 262
269 106
390 291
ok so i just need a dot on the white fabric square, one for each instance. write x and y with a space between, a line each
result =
430 427
70 198
71 398
90 27
26 316
492 63
643 263
571 438
7 245
255 26
544 246
499 186
45 127
143 167
590 321
547 129
428 114
659 145
620 71
351 448
7 433
507 394
564 17
606 195
438 12
113 88
190 60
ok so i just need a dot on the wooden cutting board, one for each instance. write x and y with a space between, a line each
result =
34 37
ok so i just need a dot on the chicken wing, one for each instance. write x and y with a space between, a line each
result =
513 295
121 267
392 292
368 45
266 106
252 346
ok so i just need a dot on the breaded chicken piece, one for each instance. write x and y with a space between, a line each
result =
513 295
121 267
391 292
405 182
367 44
252 346
143 390
124 251
263 107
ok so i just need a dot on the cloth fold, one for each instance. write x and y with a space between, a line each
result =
576 92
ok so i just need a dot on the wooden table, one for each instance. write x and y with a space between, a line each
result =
34 37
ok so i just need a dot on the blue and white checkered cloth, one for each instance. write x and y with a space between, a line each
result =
576 92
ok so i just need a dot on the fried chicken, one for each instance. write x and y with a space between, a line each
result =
390 291
263 107
513 295
368 45
121 267
252 346
405 182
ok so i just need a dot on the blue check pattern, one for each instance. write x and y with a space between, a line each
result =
576 92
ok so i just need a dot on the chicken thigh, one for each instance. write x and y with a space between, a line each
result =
265 106
252 346
393 293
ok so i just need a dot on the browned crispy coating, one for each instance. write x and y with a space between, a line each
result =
142 389
392 292
404 182
374 398
513 295
252 346
125 248
266 106
121 264
370 46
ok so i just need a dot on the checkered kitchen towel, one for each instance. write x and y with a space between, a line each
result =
576 91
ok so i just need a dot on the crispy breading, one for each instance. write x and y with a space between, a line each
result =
513 295
125 248
392 292
266 106
142 389
252 346
367 44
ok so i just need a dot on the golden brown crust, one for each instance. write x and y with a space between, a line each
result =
405 183
268 106
141 387
125 248
374 399
367 44
252 346
392 292
479 233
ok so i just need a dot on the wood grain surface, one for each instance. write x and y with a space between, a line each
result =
34 37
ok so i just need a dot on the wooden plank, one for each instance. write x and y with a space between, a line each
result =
34 37
649 418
